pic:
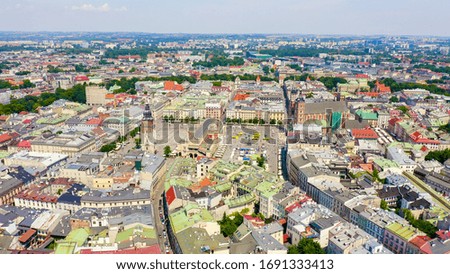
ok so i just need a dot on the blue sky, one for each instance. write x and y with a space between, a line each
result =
416 17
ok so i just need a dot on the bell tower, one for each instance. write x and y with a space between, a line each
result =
147 127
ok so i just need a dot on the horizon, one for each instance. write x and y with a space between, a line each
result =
320 17
222 34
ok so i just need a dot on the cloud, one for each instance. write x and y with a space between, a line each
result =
92 8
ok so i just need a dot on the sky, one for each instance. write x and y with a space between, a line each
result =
359 17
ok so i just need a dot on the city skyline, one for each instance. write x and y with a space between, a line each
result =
324 17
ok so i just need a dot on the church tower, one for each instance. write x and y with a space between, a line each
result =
147 127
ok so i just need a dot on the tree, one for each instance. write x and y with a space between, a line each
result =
424 226
108 147
229 224
384 205
306 246
403 109
393 99
261 161
134 132
167 151
438 155
138 142
445 128
331 82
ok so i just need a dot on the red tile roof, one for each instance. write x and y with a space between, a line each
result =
367 167
109 96
366 133
382 88
443 235
94 121
240 97
27 235
421 242
5 138
24 144
362 76
171 85
170 195
80 78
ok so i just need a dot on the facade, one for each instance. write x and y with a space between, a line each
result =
8 189
306 111
68 144
147 134
96 95
397 236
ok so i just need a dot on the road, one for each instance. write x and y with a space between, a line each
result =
156 197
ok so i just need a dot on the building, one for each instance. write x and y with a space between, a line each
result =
96 95
152 171
147 127
127 197
399 156
397 236
69 144
8 189
335 113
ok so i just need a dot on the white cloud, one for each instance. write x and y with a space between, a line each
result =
123 8
90 7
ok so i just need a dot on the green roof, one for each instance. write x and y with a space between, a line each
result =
402 231
223 187
53 121
4 154
177 182
65 248
367 115
385 163
76 238
138 230
192 240
268 189
240 200
180 220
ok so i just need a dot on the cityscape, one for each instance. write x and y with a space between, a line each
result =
153 143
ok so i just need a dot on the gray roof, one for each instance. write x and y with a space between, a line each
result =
272 228
123 195
267 242
8 185
320 107
152 162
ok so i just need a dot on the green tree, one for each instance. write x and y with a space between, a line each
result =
438 155
424 226
167 151
229 224
306 246
331 82
260 160
108 147
403 109
384 205
393 99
